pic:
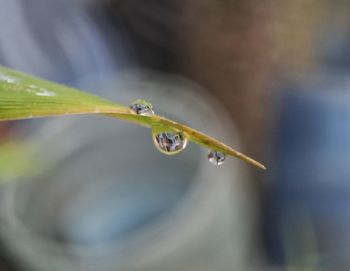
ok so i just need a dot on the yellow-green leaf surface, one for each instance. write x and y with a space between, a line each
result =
23 96
14 161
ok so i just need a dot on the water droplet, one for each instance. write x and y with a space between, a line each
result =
216 158
142 107
168 141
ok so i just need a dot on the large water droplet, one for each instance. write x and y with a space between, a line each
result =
142 107
168 141
216 158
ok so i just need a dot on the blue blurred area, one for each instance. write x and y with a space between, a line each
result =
308 184
57 40
307 189
182 214
98 197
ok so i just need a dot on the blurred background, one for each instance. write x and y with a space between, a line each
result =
271 78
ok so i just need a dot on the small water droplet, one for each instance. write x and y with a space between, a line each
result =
216 158
142 107
168 141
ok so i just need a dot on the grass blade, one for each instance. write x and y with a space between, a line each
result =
23 96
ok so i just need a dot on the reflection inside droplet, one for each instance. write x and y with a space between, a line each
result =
142 107
216 158
168 141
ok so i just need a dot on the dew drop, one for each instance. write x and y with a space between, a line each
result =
168 141
142 107
216 158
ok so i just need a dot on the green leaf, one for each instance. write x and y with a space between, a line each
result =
14 161
23 97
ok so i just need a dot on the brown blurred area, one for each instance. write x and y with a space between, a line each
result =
237 49
4 128
234 48
228 50
226 46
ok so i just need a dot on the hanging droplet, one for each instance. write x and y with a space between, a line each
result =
216 158
142 107
168 141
